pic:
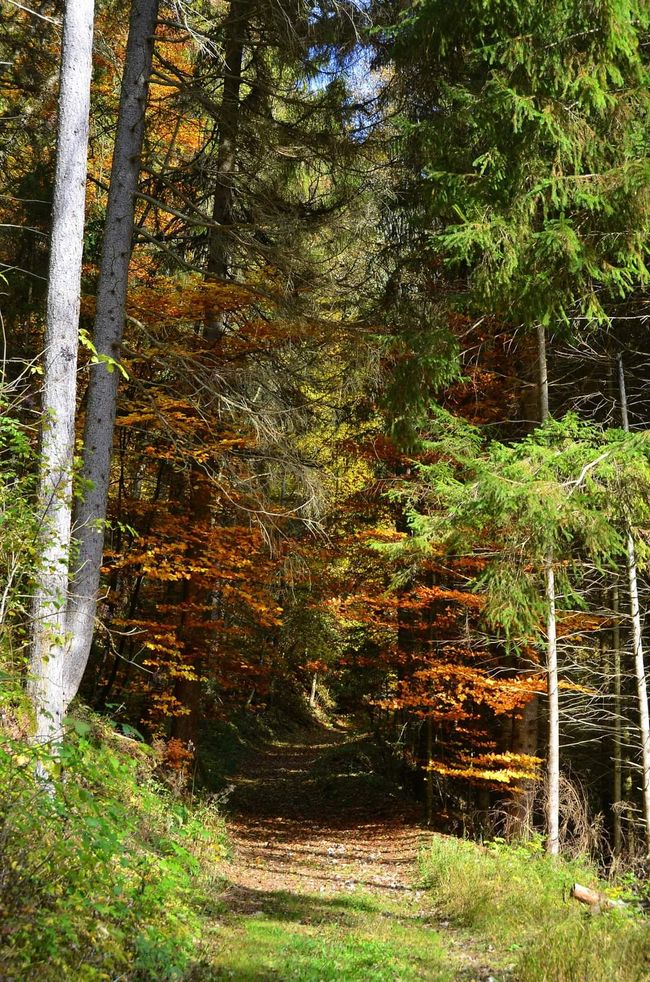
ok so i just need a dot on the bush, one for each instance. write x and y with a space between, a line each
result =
102 872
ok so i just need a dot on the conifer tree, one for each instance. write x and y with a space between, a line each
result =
524 139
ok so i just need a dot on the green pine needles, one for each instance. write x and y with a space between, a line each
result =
530 124
570 489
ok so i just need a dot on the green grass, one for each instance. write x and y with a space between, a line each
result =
517 899
315 939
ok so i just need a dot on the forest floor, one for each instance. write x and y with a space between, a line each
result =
323 884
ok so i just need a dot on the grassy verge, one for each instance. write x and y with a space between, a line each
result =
104 874
517 901
306 938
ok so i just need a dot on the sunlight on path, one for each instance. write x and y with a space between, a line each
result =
321 886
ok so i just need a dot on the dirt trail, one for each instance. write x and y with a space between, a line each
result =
322 883
293 831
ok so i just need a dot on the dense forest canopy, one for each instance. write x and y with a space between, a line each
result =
324 391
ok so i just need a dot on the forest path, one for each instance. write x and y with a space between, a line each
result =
322 886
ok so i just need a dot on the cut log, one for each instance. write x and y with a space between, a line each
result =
593 898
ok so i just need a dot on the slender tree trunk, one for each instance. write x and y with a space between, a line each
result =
109 327
229 118
553 750
641 685
429 774
314 690
60 374
553 762
617 783
524 741
543 374
188 691
637 640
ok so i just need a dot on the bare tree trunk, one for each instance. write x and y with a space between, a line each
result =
553 751
553 760
617 784
641 684
543 373
109 327
188 691
220 246
637 640
48 649
314 690
524 741
429 774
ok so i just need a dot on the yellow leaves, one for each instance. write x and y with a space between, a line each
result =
495 768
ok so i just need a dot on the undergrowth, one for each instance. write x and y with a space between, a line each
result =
518 900
105 873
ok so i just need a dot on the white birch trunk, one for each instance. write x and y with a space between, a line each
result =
314 690
637 640
553 750
90 517
60 372
617 784
553 759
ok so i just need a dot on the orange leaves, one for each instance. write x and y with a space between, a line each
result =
177 755
428 594
194 301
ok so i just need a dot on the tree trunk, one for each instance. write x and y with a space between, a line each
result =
553 762
188 691
543 374
314 690
48 649
637 640
109 327
524 741
429 773
220 246
617 783
553 750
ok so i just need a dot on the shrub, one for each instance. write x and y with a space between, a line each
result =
103 873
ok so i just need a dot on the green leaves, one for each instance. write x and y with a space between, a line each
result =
105 872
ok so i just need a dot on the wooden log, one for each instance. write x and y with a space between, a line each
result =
593 898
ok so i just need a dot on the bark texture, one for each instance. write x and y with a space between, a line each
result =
60 372
637 640
617 780
109 328
553 759
229 120
553 750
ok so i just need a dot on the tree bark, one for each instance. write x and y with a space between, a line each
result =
220 247
524 741
48 650
553 761
314 690
90 519
553 750
543 374
429 773
637 640
188 691
617 783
